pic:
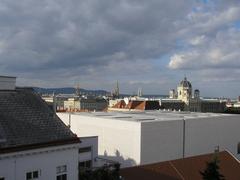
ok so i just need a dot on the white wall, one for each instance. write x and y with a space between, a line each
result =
89 142
155 141
114 136
202 135
15 166
161 141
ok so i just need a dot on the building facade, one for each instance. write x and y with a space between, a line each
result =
34 143
191 100
134 138
85 104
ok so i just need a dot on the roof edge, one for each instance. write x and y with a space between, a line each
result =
232 155
74 140
8 76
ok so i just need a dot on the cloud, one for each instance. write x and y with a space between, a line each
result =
220 51
197 40
59 43
54 34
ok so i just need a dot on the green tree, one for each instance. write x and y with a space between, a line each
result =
106 172
212 170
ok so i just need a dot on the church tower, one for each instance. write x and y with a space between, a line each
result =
115 92
184 90
77 90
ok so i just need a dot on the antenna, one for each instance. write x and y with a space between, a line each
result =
117 89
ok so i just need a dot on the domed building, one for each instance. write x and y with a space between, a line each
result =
185 100
184 90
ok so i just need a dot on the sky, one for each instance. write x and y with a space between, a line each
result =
149 44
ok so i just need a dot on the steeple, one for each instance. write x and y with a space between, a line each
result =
117 90
77 90
139 92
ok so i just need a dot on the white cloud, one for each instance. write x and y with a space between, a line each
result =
221 51
197 40
55 41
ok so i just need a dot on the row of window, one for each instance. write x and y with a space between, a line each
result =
61 172
32 175
35 176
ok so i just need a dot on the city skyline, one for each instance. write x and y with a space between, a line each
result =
142 44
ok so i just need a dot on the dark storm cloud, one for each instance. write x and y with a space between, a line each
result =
53 34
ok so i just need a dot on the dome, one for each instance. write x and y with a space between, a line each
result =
185 83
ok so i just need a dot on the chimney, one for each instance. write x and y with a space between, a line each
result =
7 83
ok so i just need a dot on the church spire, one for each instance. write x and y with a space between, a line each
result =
117 89
185 77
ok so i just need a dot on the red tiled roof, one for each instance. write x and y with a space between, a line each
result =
187 169
120 104
136 105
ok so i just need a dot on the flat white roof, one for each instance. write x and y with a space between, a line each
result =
146 116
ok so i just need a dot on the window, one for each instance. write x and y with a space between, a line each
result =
61 172
85 149
238 148
62 177
61 169
85 164
34 175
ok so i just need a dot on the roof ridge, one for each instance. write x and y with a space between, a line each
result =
231 154
178 172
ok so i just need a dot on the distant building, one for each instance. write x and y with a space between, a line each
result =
74 103
85 104
233 106
113 102
133 104
191 101
184 91
172 104
143 137
34 142
172 94
55 101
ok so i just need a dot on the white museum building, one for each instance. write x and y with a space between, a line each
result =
134 138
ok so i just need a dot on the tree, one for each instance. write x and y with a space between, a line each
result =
106 172
212 170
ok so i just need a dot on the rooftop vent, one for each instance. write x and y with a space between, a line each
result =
146 119
7 83
102 115
123 117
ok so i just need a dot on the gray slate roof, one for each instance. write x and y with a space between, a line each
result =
25 119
